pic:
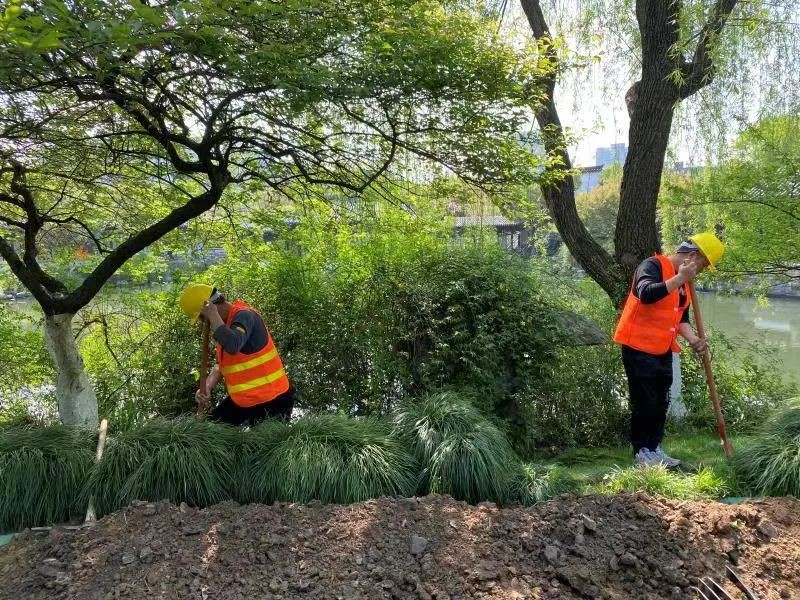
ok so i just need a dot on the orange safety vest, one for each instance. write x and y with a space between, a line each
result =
254 378
653 328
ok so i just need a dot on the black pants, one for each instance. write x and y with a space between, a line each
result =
279 408
649 381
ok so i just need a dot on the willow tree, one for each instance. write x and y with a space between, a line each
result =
679 48
754 193
122 121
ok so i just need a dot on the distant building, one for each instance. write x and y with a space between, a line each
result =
589 178
615 153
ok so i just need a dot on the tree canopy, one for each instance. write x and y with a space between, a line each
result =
752 198
121 121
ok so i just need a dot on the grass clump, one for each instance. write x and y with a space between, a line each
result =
659 481
330 458
462 453
41 473
182 460
535 484
770 463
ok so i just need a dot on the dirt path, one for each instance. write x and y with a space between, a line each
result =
625 546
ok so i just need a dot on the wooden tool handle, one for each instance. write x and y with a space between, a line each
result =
205 349
91 516
712 386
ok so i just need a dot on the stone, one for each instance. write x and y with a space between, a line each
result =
588 523
128 558
767 529
628 560
551 554
149 510
145 553
192 530
418 545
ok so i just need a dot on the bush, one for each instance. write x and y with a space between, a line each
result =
462 453
658 481
144 359
330 458
749 386
26 394
182 461
366 319
583 402
770 463
41 474
535 484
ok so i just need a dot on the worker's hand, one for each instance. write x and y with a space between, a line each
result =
688 270
209 312
203 400
699 344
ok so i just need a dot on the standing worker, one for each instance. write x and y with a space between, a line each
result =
656 311
247 359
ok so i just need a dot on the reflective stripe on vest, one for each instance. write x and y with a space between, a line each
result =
254 378
653 328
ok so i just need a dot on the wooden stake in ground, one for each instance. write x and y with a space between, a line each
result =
712 387
206 349
91 517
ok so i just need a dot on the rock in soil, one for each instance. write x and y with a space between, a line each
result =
382 549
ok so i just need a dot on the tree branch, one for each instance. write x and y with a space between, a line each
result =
559 191
701 70
81 296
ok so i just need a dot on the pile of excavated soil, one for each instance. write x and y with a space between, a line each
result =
624 546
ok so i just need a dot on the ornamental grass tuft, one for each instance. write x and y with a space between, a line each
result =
330 458
42 471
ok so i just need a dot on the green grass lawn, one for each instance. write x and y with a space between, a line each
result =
705 473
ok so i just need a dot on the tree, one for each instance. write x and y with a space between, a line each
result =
121 122
680 47
753 198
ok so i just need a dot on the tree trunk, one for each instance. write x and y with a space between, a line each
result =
77 404
636 236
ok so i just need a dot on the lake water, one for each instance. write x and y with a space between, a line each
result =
778 323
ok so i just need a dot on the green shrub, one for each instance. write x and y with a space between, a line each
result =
770 462
462 453
41 474
659 481
184 460
582 402
143 359
750 388
330 458
535 484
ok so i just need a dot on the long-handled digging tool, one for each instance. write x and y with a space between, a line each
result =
205 349
712 387
91 517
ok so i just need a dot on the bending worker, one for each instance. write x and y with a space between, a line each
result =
247 359
655 313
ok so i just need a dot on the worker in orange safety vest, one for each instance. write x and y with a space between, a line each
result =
256 381
655 313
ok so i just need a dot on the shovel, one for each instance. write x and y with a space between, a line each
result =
712 387
205 349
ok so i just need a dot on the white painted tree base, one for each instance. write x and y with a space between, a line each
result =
77 403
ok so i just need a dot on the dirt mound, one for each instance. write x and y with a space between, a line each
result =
625 546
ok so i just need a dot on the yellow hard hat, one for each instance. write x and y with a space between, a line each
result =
193 298
709 246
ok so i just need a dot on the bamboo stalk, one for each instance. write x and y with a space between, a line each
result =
712 386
